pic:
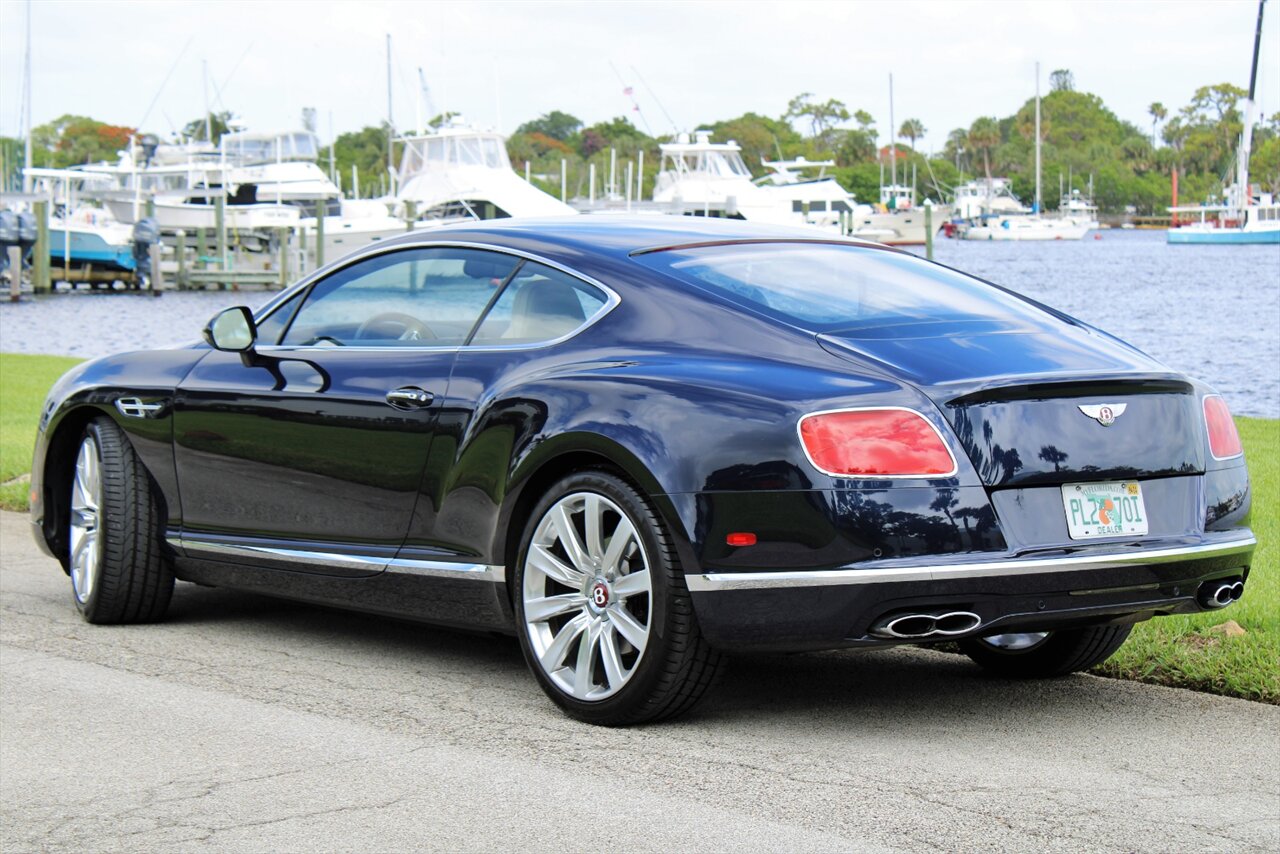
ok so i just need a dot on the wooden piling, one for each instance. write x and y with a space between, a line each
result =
40 282
320 236
410 214
928 232
282 236
15 273
220 225
182 260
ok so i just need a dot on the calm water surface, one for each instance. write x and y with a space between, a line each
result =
1209 311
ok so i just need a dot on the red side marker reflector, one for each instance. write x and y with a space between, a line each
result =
1224 441
741 538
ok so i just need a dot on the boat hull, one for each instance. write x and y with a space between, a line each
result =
1222 236
87 247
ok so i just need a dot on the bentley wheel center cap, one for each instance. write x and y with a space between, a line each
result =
600 594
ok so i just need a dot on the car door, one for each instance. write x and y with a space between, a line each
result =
495 407
308 454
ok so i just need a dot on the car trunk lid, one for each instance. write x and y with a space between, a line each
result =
1042 405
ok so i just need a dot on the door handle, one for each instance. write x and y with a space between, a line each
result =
409 397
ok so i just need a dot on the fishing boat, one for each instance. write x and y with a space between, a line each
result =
699 177
459 171
79 235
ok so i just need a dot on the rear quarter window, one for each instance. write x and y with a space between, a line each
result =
830 287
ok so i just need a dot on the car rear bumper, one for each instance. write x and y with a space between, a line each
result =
846 606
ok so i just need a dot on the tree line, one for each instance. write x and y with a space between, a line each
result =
1080 138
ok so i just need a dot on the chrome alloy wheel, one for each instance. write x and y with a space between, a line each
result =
1015 641
86 504
587 596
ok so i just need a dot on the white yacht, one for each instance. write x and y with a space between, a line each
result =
705 178
461 171
1079 208
980 197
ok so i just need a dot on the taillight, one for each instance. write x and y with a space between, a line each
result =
1224 441
886 442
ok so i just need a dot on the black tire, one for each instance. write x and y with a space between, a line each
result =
1062 652
133 580
676 666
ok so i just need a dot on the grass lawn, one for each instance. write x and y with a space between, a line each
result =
1186 650
1183 651
24 381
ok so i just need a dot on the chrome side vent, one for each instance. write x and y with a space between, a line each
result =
136 407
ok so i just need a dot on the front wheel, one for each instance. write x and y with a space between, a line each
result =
118 572
606 622
1044 655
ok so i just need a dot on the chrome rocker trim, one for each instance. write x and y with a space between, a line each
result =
913 569
334 560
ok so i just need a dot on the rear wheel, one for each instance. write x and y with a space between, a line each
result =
606 623
1041 655
118 572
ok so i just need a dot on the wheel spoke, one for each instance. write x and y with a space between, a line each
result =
541 610
613 668
593 517
582 668
634 633
623 535
568 537
631 584
552 567
553 658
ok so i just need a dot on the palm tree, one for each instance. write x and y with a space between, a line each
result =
984 135
912 129
957 141
1158 112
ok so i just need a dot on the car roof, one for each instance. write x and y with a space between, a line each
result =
616 235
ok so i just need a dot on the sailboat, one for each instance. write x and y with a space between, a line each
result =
1243 217
1032 226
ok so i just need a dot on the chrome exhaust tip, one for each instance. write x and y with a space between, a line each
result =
921 626
1219 594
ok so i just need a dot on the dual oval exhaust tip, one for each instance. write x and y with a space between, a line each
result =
920 626
1219 594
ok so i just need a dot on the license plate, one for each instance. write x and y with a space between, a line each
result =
1104 509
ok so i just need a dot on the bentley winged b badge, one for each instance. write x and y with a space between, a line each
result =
1104 413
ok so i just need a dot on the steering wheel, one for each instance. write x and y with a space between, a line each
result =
411 328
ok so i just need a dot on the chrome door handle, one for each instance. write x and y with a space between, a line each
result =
409 397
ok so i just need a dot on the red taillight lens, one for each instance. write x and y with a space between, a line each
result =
876 442
1224 441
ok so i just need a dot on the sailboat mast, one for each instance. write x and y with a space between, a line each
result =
390 121
1039 200
893 140
208 119
26 175
1246 134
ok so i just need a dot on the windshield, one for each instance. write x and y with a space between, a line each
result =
857 291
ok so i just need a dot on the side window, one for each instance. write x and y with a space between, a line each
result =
540 304
412 298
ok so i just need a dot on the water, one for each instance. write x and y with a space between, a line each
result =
1212 312
1209 311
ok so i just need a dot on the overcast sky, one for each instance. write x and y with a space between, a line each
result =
503 63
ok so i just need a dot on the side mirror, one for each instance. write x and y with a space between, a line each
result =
232 330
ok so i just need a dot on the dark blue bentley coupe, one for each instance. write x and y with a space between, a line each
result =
640 444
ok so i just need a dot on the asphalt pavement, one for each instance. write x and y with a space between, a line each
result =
244 723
